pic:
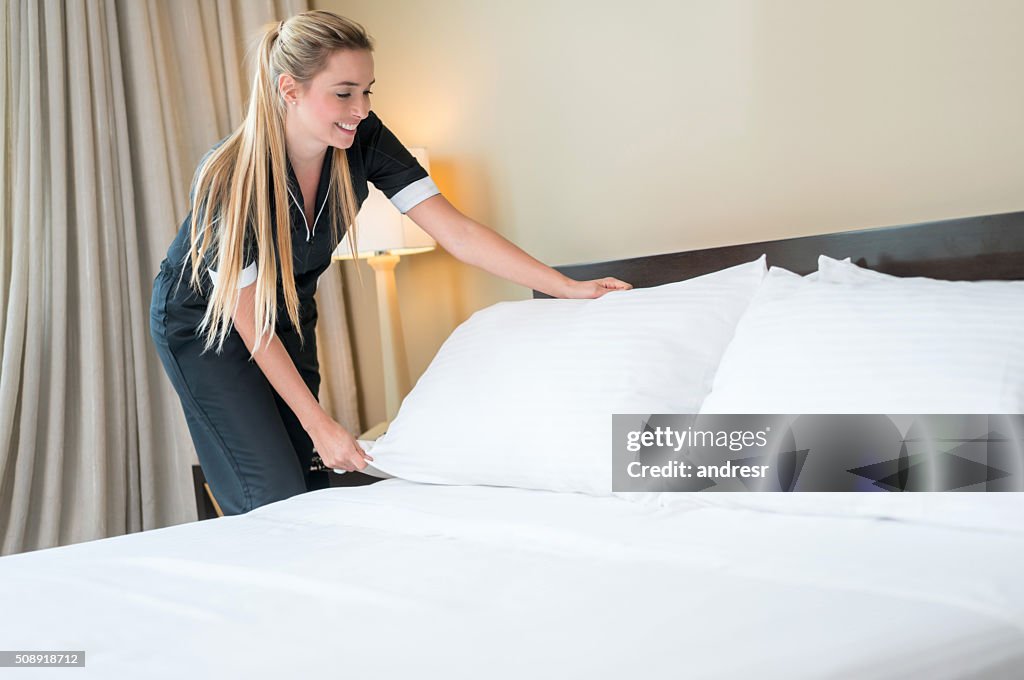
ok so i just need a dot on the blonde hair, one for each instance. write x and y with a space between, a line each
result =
238 178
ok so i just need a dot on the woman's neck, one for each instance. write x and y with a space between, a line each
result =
306 155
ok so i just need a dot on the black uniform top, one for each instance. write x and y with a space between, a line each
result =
376 155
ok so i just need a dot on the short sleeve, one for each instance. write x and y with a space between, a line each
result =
393 169
249 269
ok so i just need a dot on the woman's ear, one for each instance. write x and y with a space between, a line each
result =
288 88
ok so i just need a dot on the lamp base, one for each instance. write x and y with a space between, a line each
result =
392 340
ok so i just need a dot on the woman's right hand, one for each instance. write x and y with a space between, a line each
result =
338 449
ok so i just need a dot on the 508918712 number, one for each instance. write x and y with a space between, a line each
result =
41 658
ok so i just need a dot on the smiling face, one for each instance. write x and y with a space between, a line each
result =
327 110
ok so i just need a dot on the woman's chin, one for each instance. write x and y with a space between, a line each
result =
342 139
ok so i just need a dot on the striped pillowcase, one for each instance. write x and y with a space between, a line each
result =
867 342
522 394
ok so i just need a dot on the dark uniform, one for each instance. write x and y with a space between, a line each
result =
250 444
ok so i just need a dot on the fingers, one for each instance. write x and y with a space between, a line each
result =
609 284
361 458
361 461
354 460
615 284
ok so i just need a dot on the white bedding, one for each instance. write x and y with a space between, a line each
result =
407 580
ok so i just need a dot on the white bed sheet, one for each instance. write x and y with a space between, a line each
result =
402 580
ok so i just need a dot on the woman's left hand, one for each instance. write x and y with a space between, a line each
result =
594 288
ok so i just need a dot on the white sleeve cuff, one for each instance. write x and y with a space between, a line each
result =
246 278
417 192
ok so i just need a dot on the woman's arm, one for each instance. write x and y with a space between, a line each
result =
336 446
480 246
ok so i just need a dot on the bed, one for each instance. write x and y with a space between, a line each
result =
473 578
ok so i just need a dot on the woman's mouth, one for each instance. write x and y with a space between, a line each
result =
345 129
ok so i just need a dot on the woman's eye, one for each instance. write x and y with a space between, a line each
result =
346 95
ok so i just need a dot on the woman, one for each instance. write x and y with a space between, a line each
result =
309 139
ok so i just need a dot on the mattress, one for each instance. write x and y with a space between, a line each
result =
400 579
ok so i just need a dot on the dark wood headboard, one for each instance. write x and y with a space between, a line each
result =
964 248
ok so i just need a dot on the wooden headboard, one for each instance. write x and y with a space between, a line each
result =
964 248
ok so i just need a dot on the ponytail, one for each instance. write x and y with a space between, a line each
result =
234 183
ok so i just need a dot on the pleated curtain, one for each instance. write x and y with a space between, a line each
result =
108 106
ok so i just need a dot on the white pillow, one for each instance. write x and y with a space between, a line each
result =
878 345
819 275
522 394
813 276
845 271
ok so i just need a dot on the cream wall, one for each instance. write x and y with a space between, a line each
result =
587 131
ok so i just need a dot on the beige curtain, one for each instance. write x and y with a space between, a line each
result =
107 107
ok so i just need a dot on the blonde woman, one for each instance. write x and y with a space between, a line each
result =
268 204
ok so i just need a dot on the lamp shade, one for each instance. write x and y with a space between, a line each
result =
381 228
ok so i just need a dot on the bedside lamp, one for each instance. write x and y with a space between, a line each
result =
384 235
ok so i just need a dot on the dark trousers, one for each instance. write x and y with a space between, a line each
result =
250 444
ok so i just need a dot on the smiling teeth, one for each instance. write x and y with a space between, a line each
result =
346 126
